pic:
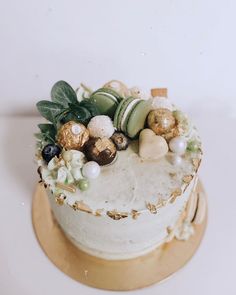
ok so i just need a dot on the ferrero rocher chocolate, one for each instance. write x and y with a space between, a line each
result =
73 135
100 150
161 121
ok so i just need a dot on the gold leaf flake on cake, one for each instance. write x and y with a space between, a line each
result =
172 174
67 187
117 215
187 179
196 163
152 208
60 199
135 214
80 205
176 193
161 203
98 212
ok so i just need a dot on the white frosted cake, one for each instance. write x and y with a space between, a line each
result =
120 168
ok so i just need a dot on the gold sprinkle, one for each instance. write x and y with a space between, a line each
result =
169 230
196 163
60 199
80 205
135 214
117 215
187 179
67 187
176 193
172 174
98 212
152 208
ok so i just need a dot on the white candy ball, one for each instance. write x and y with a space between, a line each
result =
178 145
101 126
91 170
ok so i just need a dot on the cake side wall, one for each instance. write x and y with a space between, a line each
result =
107 238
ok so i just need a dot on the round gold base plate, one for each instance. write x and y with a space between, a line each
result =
107 274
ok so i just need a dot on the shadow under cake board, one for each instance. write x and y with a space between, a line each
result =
119 275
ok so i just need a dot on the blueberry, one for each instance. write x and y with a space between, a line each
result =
50 151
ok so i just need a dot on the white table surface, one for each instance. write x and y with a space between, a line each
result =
24 268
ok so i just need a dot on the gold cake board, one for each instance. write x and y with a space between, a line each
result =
107 274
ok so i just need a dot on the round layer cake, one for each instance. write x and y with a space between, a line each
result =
120 168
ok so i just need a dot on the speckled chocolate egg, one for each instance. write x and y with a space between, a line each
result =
120 140
100 150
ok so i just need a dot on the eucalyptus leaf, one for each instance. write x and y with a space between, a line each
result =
63 93
48 128
49 110
81 113
39 136
90 106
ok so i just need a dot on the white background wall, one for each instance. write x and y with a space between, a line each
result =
188 46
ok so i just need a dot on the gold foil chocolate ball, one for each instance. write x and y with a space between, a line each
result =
100 150
161 121
73 135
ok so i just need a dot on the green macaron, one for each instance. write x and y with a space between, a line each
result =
120 112
106 100
130 116
137 118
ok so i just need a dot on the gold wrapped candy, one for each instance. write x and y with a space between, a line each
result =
161 121
73 135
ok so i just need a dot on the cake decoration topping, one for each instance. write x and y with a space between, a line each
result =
100 150
193 146
88 130
106 100
152 146
176 193
178 145
152 208
73 135
50 151
60 199
83 184
161 121
119 87
117 215
120 140
91 170
101 126
67 187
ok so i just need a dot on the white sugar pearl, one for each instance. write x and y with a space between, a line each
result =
178 145
91 170
176 160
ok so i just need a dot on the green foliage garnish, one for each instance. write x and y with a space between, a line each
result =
63 94
47 135
64 107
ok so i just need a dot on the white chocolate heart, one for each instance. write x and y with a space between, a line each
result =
151 146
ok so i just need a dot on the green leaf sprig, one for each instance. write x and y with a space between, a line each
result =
62 108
